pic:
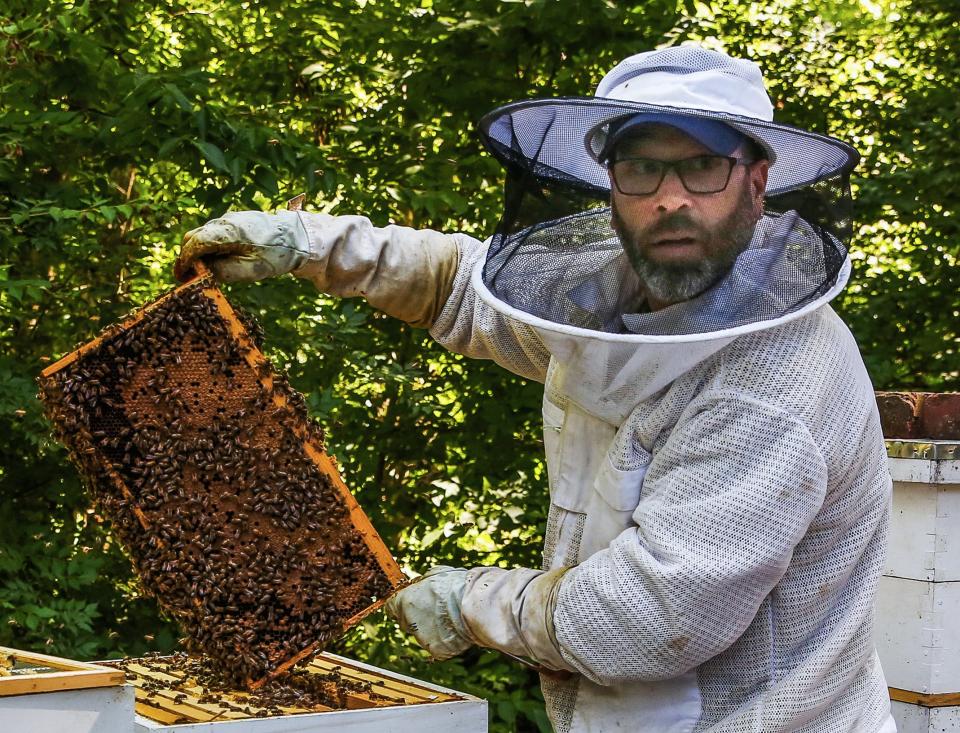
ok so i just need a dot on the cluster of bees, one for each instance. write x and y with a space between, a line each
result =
194 449
299 689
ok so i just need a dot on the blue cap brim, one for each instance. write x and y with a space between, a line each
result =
716 136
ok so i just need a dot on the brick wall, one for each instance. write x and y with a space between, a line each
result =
920 415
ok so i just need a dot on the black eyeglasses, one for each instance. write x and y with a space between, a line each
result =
700 174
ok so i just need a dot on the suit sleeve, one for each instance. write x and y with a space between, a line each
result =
469 326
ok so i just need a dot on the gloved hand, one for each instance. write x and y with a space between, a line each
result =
430 610
243 246
406 273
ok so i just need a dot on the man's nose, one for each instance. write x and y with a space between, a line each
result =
672 195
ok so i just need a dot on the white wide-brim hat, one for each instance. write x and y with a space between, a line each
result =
563 137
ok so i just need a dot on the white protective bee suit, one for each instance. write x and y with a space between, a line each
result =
725 524
719 495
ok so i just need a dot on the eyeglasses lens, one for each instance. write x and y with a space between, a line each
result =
702 174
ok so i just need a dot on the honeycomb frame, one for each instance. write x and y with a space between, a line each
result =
165 460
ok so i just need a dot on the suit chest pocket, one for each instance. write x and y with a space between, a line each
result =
616 494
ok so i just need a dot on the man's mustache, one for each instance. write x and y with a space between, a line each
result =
668 224
671 223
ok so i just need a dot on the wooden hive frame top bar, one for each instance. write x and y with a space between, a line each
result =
67 674
167 695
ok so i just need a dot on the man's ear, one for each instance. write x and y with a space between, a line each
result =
758 178
758 185
613 186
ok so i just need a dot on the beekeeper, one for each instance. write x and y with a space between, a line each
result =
718 484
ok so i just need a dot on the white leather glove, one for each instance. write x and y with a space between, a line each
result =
430 610
449 610
243 246
406 273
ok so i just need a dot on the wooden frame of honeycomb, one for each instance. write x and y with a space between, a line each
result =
217 484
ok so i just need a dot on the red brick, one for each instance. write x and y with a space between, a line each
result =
940 417
898 413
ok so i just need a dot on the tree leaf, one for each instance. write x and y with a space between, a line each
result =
178 97
213 154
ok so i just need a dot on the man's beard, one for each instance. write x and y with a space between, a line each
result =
673 282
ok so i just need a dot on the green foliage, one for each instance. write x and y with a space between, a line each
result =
125 123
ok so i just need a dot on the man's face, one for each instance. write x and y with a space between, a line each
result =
680 243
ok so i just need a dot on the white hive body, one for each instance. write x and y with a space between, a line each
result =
918 601
43 694
97 710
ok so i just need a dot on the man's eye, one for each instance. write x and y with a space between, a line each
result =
703 163
642 167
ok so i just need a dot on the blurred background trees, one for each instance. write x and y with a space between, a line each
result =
124 123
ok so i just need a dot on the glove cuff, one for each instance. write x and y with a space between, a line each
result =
406 273
512 610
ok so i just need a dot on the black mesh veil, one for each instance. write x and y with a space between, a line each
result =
555 255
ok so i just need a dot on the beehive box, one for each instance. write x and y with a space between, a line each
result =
217 484
918 600
44 694
359 698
